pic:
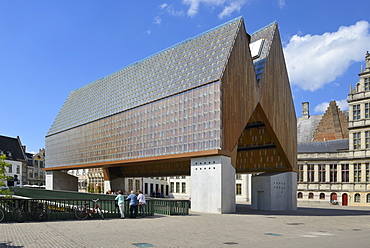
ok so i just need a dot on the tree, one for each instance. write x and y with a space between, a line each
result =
3 176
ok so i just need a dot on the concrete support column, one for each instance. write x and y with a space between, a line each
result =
274 191
212 185
113 179
56 180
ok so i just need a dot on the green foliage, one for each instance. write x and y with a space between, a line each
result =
91 188
3 177
98 189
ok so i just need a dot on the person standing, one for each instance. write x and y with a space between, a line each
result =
121 203
133 204
142 203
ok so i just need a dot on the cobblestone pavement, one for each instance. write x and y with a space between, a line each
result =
310 225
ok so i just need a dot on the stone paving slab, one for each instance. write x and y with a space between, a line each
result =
320 226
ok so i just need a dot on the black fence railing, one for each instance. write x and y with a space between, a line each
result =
38 206
16 209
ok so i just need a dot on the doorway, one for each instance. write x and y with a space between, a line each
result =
344 199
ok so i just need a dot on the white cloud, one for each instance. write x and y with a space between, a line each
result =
163 5
157 20
148 31
231 6
322 107
316 60
281 3
342 104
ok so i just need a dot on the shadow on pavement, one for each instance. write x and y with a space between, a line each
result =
304 211
8 244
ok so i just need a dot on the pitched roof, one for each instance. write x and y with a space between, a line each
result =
12 148
265 36
186 65
331 125
306 127
323 146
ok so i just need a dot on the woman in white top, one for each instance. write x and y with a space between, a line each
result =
142 202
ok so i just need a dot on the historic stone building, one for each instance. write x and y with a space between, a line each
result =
334 150
211 106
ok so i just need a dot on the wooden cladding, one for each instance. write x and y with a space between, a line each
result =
239 91
276 103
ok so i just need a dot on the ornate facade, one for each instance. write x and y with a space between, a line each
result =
334 150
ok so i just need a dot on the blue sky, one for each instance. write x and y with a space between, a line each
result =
49 48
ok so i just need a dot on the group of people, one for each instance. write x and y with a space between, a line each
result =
136 201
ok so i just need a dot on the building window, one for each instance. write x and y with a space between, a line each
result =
238 176
322 173
183 187
367 172
300 173
146 188
357 197
356 112
137 185
310 195
367 85
357 173
310 173
172 184
322 196
18 169
130 184
10 169
300 195
333 173
357 140
367 139
368 198
238 189
345 173
177 187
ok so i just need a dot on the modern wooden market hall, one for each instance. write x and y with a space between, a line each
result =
211 106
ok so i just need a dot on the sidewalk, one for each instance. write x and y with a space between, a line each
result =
310 225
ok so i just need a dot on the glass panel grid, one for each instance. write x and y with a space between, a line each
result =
187 122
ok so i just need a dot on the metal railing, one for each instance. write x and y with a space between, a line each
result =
170 206
60 205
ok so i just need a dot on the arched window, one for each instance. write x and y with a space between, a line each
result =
357 197
322 195
368 198
310 195
300 195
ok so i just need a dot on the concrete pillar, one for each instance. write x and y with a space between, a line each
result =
274 191
212 185
56 180
113 179
115 184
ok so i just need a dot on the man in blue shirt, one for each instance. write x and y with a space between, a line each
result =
133 204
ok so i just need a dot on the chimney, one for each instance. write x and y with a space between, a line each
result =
305 110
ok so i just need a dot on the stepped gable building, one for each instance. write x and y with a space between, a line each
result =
334 150
210 106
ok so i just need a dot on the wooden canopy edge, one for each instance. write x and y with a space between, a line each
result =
163 158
